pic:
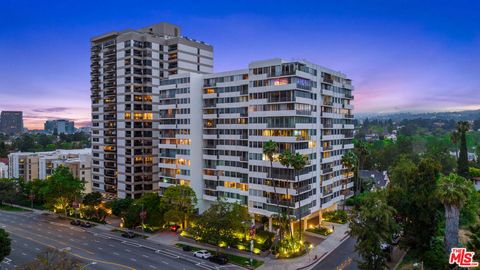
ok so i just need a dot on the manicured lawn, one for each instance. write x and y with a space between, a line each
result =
12 208
238 260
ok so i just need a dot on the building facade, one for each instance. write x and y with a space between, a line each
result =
39 165
3 170
159 121
126 70
11 122
304 108
59 126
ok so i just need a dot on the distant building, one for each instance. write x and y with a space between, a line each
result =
371 137
40 165
86 130
380 179
11 122
59 126
3 170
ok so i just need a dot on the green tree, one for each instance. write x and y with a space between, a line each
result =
410 193
474 243
4 245
270 149
61 189
150 202
285 159
180 199
7 190
477 153
221 222
455 138
462 163
373 224
92 199
298 163
362 150
453 192
120 206
349 162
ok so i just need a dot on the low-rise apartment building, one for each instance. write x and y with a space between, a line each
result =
40 165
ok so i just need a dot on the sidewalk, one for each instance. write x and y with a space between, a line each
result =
320 251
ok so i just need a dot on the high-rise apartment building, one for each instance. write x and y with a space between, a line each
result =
59 126
304 108
11 122
126 70
157 124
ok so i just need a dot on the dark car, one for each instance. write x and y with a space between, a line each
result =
219 259
86 224
128 234
75 222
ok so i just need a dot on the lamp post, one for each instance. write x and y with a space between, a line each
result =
252 234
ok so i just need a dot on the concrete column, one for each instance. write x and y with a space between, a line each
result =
320 217
292 227
270 225
305 224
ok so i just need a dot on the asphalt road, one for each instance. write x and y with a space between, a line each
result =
31 233
342 258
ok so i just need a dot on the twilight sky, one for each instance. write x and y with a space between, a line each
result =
402 55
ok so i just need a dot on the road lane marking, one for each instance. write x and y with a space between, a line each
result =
132 259
143 255
127 250
115 253
51 239
100 248
164 262
153 267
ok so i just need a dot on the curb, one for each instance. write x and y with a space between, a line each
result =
324 255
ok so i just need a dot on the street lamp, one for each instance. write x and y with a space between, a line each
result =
85 266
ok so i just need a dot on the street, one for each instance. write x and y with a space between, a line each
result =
342 258
31 233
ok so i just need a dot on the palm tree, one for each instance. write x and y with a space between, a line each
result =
285 159
349 161
362 151
453 192
298 163
270 149
462 163
454 138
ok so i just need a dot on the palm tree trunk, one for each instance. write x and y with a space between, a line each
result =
299 206
452 215
288 213
275 194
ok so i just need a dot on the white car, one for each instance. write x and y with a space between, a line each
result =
202 254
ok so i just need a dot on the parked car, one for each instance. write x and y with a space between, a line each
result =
128 234
75 222
219 259
86 224
202 254
187 248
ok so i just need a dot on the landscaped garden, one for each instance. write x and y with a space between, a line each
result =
321 230
337 216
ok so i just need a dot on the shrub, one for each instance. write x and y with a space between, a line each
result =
264 239
320 230
338 216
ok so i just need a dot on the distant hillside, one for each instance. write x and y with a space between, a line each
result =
457 116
